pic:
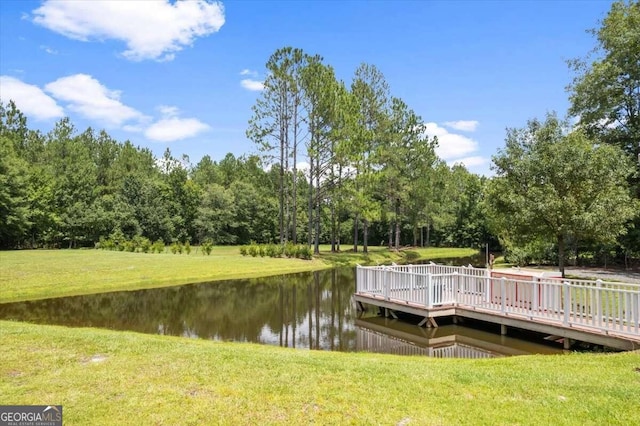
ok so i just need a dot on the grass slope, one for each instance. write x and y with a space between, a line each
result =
106 377
41 274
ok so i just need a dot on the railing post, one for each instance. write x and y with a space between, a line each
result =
567 302
456 287
488 283
385 284
503 294
535 294
598 312
427 301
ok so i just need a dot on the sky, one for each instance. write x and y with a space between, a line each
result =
184 74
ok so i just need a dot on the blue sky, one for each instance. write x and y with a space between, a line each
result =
185 75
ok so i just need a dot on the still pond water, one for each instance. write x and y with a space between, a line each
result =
309 310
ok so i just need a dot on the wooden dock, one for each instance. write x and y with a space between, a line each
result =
598 312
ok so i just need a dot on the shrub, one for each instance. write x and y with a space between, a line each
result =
262 251
145 245
290 249
253 250
271 250
187 247
304 252
206 248
158 247
243 250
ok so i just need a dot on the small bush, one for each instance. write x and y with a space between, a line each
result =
145 245
271 250
187 247
304 252
158 247
243 250
206 248
253 250
290 249
129 246
176 248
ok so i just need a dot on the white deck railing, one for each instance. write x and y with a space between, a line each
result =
598 305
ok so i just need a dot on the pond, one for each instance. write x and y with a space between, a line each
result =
310 310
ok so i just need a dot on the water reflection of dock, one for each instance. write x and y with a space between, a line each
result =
382 335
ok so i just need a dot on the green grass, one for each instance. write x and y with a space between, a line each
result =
41 274
106 377
378 255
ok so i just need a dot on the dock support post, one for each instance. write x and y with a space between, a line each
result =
430 322
567 343
455 319
503 329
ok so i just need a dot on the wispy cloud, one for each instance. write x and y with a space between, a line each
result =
247 71
29 98
150 29
49 50
462 125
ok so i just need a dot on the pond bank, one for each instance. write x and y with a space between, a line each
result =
106 377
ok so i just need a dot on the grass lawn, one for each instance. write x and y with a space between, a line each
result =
107 377
41 274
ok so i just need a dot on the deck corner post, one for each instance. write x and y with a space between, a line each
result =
503 294
427 301
567 302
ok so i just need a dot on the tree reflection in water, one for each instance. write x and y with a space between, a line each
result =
307 310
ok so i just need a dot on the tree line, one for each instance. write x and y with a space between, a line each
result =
71 189
350 165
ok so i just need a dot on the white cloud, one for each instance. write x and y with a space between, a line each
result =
29 99
88 97
472 161
247 71
253 85
151 29
454 148
462 125
450 145
172 128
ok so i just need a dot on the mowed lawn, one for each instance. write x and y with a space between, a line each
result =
106 377
40 274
